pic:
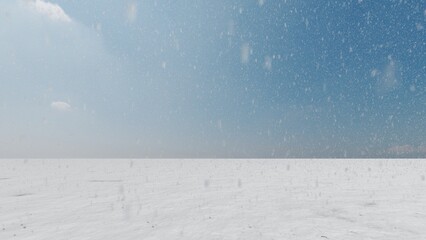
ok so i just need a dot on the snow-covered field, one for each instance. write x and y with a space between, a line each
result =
212 199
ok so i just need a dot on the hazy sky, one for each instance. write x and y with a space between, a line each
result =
220 78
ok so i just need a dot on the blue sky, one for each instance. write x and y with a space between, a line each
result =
213 78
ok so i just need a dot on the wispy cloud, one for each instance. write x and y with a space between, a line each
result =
388 80
60 106
406 149
132 12
245 53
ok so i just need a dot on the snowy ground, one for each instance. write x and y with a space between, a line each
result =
212 199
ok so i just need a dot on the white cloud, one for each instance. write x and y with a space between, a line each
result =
55 55
374 72
51 10
60 106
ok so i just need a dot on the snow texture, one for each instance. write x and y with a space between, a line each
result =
212 199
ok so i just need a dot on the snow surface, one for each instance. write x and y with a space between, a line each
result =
212 199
